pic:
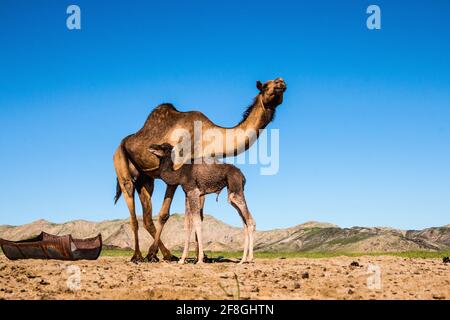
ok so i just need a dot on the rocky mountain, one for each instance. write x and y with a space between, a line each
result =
218 236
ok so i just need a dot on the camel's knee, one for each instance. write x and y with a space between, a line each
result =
126 183
232 197
197 221
148 224
251 225
163 217
237 198
134 225
127 186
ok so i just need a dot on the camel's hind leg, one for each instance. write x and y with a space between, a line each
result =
163 216
237 199
126 184
145 188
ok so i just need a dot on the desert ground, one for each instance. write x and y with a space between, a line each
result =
277 278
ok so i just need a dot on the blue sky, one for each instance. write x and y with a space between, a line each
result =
364 128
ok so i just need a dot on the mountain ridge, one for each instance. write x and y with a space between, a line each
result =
219 236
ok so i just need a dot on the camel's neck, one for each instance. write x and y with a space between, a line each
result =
257 116
169 176
243 135
219 142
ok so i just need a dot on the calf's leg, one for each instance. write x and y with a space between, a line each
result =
202 204
187 232
237 199
195 206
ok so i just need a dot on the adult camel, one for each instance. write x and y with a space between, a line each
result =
137 168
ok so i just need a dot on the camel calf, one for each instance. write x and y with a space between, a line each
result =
198 180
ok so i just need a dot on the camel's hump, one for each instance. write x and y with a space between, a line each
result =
165 106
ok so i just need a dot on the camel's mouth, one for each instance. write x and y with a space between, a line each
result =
280 90
280 87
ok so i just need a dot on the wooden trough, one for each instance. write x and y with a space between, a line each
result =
47 246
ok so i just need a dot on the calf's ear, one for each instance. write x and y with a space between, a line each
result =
157 152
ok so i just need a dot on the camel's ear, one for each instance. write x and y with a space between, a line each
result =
259 85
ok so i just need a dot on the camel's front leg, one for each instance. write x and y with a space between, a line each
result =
144 188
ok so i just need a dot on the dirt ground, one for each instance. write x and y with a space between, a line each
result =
296 278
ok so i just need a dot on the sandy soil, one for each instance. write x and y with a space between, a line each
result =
299 278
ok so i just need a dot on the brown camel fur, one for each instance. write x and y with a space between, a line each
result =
198 180
136 167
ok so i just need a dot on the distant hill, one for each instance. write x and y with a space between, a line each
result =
218 236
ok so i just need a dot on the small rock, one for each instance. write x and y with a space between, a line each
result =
44 283
297 285
350 291
354 264
305 275
438 296
446 260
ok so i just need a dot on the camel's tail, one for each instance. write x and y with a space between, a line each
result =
118 192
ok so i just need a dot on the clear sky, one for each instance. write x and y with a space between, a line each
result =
364 127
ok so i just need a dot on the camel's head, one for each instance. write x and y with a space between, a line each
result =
161 150
272 92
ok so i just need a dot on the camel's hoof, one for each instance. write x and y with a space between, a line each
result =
204 260
171 258
247 261
151 258
137 258
200 262
181 261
